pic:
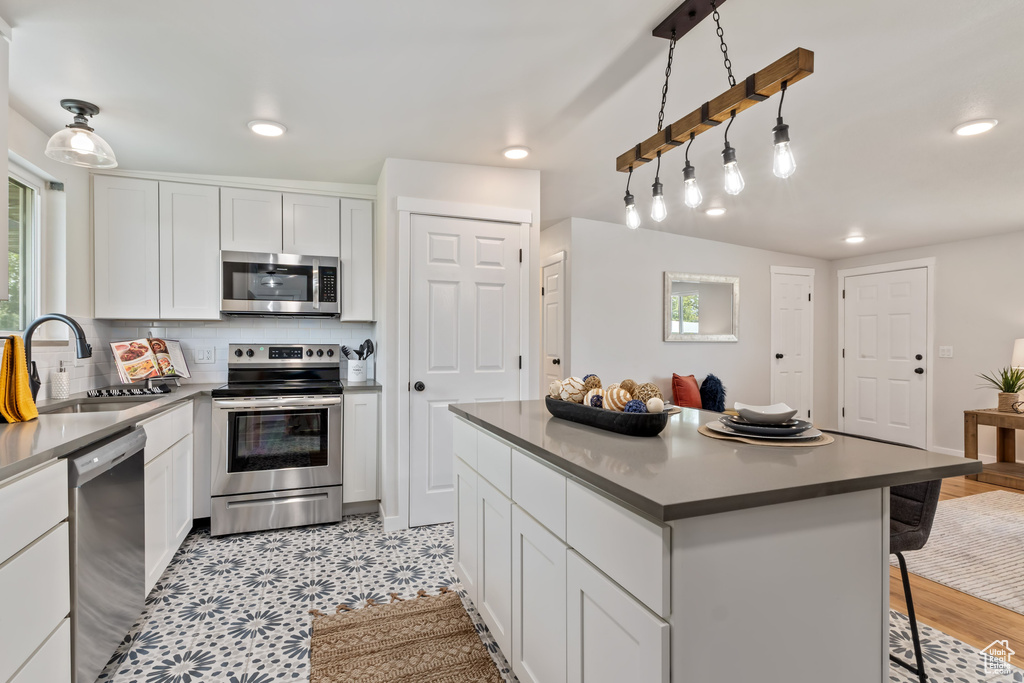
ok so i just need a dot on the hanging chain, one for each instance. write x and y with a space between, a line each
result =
664 88
721 38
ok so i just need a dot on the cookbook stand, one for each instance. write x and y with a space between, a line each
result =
162 380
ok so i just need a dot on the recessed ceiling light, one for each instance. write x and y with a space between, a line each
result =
516 152
270 129
854 239
715 212
975 127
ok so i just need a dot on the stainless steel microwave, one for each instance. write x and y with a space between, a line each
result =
279 284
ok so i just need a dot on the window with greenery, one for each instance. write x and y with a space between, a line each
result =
685 313
16 312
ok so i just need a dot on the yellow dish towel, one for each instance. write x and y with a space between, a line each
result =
16 404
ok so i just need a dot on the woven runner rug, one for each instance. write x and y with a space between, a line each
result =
430 639
976 547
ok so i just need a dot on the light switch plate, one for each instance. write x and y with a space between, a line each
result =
203 354
945 352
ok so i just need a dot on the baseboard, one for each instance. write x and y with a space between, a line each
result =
360 508
393 523
952 451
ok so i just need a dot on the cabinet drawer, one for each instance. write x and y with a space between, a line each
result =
540 491
38 500
52 663
631 550
494 462
464 441
35 594
167 429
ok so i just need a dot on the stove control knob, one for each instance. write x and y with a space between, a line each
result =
250 353
309 352
238 353
320 353
330 352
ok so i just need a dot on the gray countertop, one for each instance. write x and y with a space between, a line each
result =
681 473
360 387
26 444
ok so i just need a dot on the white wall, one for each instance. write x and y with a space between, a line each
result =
477 185
617 286
978 312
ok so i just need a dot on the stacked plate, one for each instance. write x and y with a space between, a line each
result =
772 423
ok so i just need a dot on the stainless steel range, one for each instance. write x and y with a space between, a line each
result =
277 438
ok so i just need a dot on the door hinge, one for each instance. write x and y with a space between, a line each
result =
542 291
808 296
844 353
409 388
844 293
844 411
520 362
808 414
520 255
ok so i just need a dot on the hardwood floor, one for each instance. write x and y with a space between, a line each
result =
962 616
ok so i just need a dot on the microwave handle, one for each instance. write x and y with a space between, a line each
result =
245 403
316 284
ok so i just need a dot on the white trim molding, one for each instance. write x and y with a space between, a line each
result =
480 212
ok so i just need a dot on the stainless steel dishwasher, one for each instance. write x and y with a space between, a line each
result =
108 548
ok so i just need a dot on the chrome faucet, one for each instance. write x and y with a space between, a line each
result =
82 348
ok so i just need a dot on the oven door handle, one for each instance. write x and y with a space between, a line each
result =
245 404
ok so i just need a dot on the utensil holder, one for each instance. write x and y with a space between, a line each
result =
357 371
60 385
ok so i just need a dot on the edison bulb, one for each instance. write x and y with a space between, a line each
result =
632 217
691 193
784 163
80 142
733 178
659 211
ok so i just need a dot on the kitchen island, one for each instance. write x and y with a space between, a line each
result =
604 558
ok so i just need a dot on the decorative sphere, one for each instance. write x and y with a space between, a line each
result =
611 386
635 406
616 399
586 377
655 405
592 382
588 399
573 390
596 401
645 392
629 385
555 389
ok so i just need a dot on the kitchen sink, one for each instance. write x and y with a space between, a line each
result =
96 406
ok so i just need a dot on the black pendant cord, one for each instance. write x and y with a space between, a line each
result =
664 88
732 117
782 98
687 152
628 178
657 171
721 38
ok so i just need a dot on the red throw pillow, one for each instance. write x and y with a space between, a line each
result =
685 392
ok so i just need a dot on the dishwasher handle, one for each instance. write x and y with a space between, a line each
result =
104 457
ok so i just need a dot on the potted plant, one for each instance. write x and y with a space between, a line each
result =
1009 382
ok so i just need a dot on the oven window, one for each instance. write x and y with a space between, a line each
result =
260 441
267 282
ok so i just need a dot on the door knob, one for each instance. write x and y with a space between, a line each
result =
779 356
556 361
919 357
419 386
919 371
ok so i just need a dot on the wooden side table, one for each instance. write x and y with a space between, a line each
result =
1006 471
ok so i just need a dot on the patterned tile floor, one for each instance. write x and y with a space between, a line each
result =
236 609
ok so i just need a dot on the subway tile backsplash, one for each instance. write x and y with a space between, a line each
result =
90 373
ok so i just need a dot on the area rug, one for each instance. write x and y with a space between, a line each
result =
976 547
429 639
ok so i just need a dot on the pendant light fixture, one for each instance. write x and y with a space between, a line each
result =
733 178
659 212
784 164
632 215
691 193
77 144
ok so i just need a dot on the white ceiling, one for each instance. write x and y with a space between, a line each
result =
579 82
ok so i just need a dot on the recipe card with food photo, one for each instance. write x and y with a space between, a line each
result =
149 359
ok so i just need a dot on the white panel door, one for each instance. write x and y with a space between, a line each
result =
189 252
357 260
466 561
126 233
538 601
464 342
494 575
359 458
792 339
553 319
311 224
886 332
251 220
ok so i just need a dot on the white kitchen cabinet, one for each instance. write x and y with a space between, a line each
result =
180 511
158 493
357 260
538 601
189 252
250 220
611 637
52 661
494 576
466 557
126 234
359 480
311 224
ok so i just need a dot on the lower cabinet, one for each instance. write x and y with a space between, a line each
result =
494 540
611 637
466 549
52 661
538 602
168 488
359 469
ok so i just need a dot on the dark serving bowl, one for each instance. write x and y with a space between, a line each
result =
630 424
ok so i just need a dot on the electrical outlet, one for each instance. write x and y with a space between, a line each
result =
945 352
203 354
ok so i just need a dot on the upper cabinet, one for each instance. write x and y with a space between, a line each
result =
311 224
189 252
127 239
357 260
250 220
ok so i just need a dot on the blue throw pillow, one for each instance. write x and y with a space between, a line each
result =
712 394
